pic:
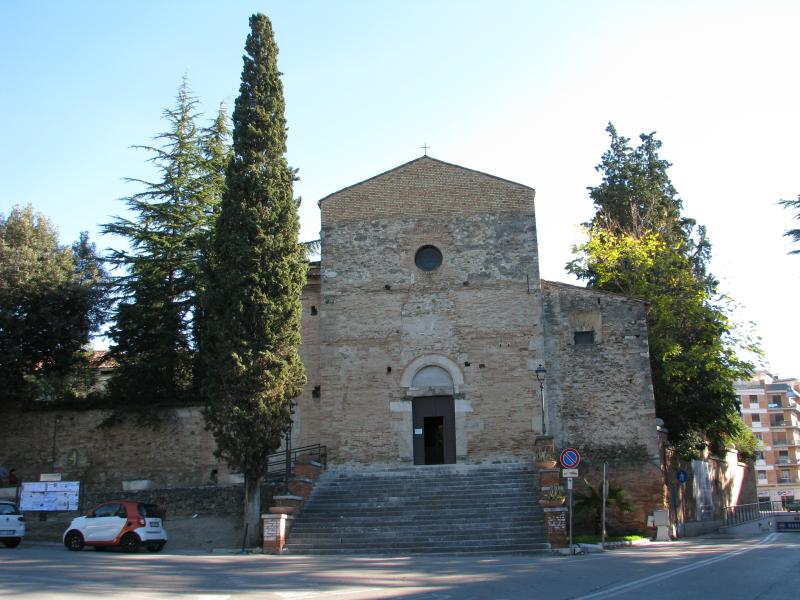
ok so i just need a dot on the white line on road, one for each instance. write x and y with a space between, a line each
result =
300 594
632 585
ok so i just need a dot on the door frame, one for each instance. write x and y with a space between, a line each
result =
433 406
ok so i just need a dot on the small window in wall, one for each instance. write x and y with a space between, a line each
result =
757 420
584 338
428 258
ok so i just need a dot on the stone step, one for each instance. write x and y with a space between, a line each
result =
441 509
374 535
457 548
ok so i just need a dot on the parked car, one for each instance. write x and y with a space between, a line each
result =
12 524
793 505
123 523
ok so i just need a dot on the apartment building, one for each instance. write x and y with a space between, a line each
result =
771 407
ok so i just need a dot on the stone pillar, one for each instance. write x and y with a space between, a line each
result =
555 522
275 529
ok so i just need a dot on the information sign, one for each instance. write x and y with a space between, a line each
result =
569 473
49 496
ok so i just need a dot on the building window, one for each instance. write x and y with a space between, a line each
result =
784 477
756 419
759 436
777 421
428 258
762 475
775 402
584 338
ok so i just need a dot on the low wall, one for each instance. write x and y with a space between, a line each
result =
172 450
697 505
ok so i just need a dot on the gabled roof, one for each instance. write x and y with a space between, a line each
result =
422 159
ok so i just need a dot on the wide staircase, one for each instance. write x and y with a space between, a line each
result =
431 509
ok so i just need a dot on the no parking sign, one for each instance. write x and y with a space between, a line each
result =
570 458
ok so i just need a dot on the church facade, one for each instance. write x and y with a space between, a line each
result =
426 320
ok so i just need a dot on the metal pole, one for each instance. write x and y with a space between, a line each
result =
288 444
605 498
570 517
541 394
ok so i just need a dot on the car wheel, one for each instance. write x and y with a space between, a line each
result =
12 542
129 542
155 547
74 541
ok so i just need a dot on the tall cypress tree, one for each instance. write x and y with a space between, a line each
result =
153 333
250 350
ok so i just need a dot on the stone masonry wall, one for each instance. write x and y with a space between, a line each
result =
382 317
599 395
177 453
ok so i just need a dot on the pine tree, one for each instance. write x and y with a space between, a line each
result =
640 245
793 233
51 301
253 367
153 333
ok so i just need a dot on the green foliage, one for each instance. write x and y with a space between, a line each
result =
590 503
252 307
793 233
640 246
155 327
51 301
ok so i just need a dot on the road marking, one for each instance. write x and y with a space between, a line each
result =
300 594
632 585
212 596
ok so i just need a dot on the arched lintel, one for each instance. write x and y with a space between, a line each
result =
427 360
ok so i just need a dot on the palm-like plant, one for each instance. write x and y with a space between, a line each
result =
591 502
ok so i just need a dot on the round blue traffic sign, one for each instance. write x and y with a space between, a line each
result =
570 458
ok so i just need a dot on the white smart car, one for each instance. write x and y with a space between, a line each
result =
12 524
122 523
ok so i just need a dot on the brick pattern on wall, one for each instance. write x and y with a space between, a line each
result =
426 188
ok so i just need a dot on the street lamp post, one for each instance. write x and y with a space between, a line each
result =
287 432
541 372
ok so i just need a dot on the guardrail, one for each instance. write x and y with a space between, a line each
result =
276 471
744 513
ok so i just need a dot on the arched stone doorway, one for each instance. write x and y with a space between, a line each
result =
432 383
434 418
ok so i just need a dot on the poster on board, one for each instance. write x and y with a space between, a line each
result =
49 496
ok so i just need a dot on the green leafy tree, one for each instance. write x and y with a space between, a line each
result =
165 270
640 245
252 330
590 503
51 301
793 233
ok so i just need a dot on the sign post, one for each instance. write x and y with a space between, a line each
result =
570 459
605 499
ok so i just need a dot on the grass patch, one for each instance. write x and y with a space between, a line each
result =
595 539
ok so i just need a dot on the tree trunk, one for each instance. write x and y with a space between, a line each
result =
252 510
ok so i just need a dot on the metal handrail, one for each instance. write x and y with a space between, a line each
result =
275 471
744 513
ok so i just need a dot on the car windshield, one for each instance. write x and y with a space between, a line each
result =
151 510
8 509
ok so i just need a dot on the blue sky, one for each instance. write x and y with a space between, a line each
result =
519 89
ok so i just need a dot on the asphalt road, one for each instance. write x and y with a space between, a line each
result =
760 568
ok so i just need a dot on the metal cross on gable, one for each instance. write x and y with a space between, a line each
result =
425 147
